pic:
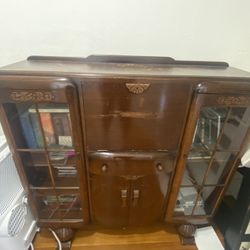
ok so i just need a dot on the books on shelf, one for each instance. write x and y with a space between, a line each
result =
48 128
50 110
27 128
64 201
55 124
65 140
66 171
61 124
36 130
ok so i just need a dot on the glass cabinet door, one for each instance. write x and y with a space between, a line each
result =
218 134
46 138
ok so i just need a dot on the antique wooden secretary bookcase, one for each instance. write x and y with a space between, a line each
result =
124 141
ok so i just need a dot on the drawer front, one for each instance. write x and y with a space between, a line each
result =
130 165
129 114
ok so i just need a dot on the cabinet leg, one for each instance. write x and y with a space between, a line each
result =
63 237
65 246
186 233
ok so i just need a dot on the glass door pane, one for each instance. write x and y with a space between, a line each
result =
37 169
208 128
206 199
64 164
235 129
58 206
219 133
33 123
25 125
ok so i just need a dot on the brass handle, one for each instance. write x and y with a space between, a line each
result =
104 168
136 196
124 195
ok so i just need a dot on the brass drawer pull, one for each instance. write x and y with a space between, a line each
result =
104 168
124 195
136 196
159 166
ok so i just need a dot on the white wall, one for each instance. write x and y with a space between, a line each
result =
184 29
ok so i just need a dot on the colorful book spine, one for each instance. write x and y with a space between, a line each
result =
37 129
61 124
27 129
48 128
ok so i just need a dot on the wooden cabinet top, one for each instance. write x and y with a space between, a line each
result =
123 66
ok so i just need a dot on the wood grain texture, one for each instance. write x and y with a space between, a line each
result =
158 237
124 117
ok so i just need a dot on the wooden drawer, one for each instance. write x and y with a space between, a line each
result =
130 114
130 164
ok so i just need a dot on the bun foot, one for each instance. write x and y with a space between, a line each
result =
186 233
63 237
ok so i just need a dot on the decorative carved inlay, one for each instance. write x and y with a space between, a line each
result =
233 100
137 88
24 96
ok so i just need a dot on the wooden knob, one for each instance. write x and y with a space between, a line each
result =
159 167
104 168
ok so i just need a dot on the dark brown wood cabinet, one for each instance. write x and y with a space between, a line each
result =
124 141
124 184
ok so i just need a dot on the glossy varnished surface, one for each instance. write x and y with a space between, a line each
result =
159 237
118 119
74 67
131 124
144 181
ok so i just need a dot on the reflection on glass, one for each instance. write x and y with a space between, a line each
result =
207 198
36 168
196 200
220 166
208 127
195 172
186 200
64 206
235 129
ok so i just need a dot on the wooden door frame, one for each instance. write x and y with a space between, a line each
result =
43 89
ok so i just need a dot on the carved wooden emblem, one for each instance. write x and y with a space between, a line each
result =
233 100
37 96
137 88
